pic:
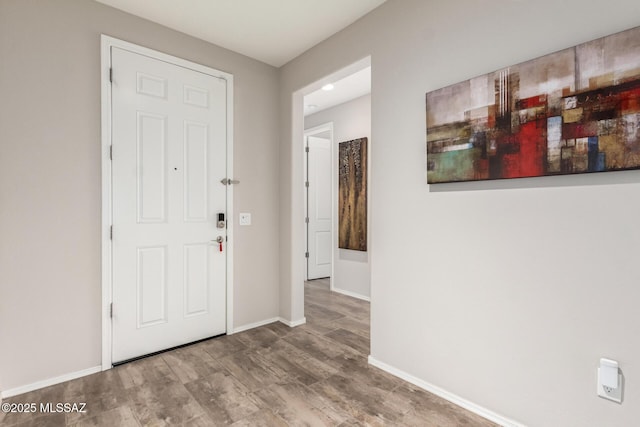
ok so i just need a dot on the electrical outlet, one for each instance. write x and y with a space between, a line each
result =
614 394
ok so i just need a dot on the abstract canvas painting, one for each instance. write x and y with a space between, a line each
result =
573 111
352 194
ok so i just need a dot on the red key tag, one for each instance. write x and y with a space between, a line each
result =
220 239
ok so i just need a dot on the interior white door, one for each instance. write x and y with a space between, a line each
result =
319 207
169 155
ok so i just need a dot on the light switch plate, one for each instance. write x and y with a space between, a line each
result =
245 219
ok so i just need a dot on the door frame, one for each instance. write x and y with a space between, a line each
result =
307 133
107 43
293 272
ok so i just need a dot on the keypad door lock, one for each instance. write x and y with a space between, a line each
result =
221 221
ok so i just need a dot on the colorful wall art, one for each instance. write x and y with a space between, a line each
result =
573 111
352 194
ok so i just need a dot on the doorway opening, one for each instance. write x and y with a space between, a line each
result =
335 109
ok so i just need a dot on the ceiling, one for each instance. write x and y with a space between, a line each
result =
271 31
353 86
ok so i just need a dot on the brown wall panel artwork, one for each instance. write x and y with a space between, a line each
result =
573 111
352 194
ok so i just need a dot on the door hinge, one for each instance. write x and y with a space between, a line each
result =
306 184
306 254
111 232
110 75
306 149
306 220
111 310
111 152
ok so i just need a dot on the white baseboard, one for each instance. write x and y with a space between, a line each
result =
254 325
457 400
51 381
351 294
293 323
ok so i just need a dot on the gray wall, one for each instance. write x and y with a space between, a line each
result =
50 289
504 293
498 292
351 120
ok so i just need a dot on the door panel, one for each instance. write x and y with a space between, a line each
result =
319 207
196 96
151 85
169 153
196 278
151 169
323 248
195 172
152 286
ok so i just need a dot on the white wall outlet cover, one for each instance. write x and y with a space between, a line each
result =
245 219
613 394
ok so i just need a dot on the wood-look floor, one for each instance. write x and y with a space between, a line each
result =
313 375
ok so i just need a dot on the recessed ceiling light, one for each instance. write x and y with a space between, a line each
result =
311 106
328 86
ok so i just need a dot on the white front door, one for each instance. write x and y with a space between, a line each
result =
169 155
319 207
